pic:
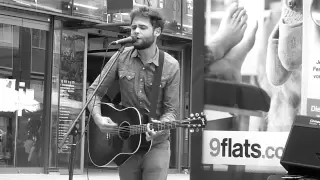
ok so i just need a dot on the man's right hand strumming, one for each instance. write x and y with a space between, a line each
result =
105 124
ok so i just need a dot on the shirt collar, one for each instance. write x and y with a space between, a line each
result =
154 60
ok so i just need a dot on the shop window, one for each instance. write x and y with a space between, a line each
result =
6 33
189 7
38 39
22 63
68 93
144 2
9 44
93 9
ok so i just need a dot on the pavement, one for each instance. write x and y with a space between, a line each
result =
91 176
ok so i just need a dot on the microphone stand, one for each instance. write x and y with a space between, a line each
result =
73 129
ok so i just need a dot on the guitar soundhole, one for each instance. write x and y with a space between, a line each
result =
124 130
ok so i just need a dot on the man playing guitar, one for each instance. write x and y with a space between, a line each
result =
135 70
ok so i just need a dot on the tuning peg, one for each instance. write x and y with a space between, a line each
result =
192 130
191 115
197 114
197 129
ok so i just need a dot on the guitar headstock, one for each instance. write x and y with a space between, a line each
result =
195 121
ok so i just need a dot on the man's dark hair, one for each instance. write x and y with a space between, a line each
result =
154 16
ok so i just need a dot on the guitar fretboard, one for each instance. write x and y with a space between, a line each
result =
139 129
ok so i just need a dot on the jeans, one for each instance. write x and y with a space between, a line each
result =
153 165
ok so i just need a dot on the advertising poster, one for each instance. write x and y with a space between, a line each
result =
311 74
252 84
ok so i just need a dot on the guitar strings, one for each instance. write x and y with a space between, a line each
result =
136 129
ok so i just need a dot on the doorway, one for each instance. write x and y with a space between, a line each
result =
22 59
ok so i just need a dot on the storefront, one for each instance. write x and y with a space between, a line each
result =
43 76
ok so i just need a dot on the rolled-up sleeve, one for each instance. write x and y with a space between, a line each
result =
94 105
171 95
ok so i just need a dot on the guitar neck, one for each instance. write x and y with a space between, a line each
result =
139 129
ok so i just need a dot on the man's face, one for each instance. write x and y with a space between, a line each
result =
142 28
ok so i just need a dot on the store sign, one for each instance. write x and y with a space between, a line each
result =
243 148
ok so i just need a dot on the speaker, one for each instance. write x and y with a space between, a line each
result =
301 155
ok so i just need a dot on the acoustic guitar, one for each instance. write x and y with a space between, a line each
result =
129 136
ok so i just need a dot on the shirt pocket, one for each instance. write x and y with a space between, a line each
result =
126 79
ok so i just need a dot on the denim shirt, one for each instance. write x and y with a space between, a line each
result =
136 78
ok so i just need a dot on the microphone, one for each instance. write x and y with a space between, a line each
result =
130 39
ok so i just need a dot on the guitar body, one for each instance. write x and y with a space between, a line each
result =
119 146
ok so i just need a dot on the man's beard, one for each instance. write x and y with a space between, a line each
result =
144 43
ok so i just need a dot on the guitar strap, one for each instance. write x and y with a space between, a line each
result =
156 86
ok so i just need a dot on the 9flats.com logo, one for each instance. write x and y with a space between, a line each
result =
227 148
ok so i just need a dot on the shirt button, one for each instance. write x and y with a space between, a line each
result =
143 68
140 92
140 79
